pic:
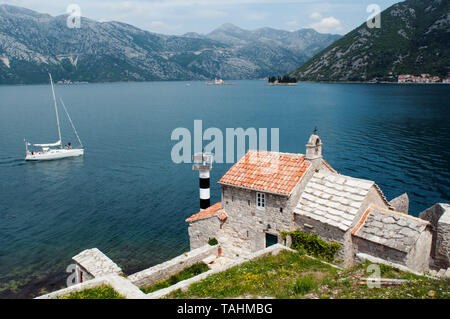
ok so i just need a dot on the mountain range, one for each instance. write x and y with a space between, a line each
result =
32 44
414 38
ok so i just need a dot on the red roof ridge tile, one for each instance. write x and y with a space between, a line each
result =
214 210
361 221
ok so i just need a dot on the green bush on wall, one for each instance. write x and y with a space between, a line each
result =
213 241
312 244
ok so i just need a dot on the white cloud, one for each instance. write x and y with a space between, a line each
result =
315 16
327 25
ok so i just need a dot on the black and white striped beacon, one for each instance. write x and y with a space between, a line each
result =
203 164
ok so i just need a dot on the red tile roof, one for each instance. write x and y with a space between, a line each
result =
214 210
267 171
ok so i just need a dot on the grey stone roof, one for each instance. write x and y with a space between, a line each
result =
333 199
392 229
96 263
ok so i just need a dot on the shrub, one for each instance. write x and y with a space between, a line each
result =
304 284
213 241
313 245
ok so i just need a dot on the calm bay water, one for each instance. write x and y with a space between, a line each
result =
127 198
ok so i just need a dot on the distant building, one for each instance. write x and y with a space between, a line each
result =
404 78
266 193
423 78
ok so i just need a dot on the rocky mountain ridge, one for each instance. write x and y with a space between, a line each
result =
414 38
32 44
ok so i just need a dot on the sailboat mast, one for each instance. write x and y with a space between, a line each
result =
71 123
56 111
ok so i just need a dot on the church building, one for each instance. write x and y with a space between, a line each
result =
266 193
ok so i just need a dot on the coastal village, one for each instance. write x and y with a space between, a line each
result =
423 78
268 193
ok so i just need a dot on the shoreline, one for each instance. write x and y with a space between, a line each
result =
369 82
163 81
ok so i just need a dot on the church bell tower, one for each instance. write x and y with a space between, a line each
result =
314 150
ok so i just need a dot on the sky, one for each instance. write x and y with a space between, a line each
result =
177 17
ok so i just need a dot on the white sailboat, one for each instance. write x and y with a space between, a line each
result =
52 151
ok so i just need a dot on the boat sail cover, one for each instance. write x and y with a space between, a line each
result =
48 145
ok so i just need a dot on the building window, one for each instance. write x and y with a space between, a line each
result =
281 209
261 200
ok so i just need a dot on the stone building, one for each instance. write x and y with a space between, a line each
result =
91 263
332 204
392 236
439 217
266 193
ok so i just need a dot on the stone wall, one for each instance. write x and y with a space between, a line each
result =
401 203
372 197
380 251
120 284
326 232
152 275
201 231
443 244
439 218
244 230
419 256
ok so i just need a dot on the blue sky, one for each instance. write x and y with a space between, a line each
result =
202 16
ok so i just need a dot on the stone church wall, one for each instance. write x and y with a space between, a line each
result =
202 230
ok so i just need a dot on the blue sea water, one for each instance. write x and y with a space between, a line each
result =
126 196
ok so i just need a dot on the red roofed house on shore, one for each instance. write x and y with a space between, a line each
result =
266 193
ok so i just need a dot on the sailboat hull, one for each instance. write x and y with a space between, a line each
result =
54 154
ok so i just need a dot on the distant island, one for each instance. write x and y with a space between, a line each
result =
285 80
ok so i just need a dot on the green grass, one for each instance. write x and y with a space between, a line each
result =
291 275
101 292
304 284
187 273
268 276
